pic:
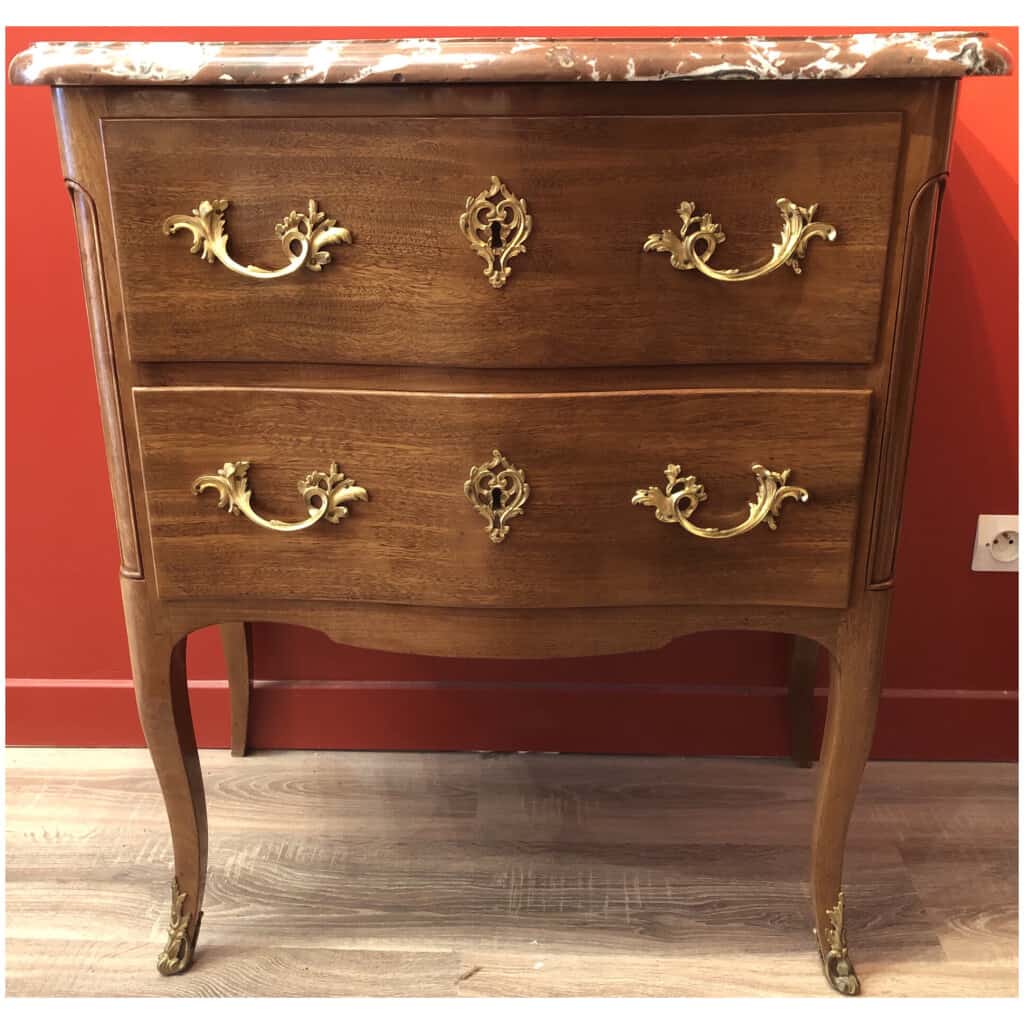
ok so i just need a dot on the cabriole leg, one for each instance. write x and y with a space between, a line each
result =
852 705
161 692
236 638
803 672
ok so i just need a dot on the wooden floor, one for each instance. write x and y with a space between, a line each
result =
535 875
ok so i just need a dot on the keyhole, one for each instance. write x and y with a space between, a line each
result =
496 242
496 497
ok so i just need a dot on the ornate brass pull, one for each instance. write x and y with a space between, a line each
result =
683 494
325 495
497 226
311 230
798 228
498 491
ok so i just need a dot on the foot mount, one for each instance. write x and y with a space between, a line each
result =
176 957
839 972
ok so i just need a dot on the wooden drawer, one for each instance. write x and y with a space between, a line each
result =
579 541
410 290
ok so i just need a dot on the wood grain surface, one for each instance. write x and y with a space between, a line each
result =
583 294
236 638
578 543
463 874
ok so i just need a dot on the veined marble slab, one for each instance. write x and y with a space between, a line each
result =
354 62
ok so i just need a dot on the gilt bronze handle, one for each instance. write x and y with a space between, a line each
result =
311 231
679 500
798 228
325 495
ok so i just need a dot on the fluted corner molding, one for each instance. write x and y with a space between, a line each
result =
111 413
911 311
533 59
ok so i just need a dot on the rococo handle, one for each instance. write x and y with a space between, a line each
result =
798 228
679 500
325 495
311 231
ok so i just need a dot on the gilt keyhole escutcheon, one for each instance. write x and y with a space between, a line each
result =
498 491
497 225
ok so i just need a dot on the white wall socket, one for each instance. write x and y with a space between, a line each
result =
996 545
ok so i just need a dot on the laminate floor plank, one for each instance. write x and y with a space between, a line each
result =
424 795
106 968
545 974
467 874
542 973
714 799
434 895
983 927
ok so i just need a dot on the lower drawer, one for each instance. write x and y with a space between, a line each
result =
578 540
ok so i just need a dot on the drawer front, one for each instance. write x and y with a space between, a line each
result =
410 289
578 542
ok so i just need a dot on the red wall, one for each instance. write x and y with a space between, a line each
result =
952 651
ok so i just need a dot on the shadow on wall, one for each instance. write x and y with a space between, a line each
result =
963 453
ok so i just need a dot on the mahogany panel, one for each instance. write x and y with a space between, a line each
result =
579 543
411 290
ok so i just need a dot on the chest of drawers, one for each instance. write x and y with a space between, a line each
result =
508 348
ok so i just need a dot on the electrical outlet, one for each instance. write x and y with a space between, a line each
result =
996 544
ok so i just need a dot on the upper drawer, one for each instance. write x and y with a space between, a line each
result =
410 290
578 542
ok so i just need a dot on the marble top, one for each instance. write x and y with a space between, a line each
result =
375 62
